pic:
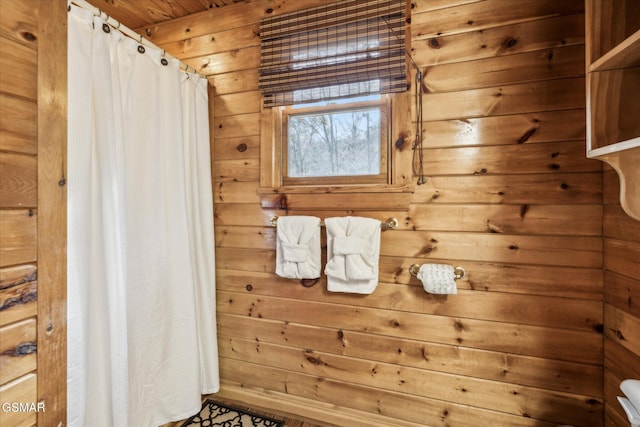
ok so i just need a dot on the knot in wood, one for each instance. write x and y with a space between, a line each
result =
525 137
30 37
509 43
314 360
307 283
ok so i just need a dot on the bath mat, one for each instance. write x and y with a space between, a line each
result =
214 414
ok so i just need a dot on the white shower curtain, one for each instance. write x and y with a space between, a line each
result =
141 301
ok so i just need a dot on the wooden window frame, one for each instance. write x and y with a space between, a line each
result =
397 190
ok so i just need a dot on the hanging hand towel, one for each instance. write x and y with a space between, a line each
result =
353 251
298 247
437 278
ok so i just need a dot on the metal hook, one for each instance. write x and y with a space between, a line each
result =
458 273
413 270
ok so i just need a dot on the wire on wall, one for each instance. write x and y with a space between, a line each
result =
418 161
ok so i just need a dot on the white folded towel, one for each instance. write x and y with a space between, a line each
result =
437 278
353 252
298 254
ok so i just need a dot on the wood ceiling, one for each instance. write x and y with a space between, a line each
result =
139 13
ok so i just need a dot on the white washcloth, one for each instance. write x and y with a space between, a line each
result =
298 254
353 251
437 278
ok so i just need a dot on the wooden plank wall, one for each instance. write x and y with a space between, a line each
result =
52 209
510 197
621 299
18 207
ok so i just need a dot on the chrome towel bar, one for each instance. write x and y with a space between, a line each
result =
390 223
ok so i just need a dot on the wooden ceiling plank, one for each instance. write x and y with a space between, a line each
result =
149 12
129 14
195 6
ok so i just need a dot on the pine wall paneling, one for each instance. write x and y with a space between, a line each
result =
32 211
52 207
510 196
621 297
550 297
18 207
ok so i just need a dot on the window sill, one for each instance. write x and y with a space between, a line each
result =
374 197
334 189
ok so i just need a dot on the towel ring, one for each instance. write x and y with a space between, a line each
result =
458 272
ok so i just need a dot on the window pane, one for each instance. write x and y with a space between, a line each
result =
339 143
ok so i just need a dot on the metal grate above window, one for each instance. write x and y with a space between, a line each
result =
348 48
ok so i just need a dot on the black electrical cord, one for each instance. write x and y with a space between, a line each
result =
418 160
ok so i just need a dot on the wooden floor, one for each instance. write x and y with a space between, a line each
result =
288 422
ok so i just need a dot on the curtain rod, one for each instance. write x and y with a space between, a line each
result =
130 33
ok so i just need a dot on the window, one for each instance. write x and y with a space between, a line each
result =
343 141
